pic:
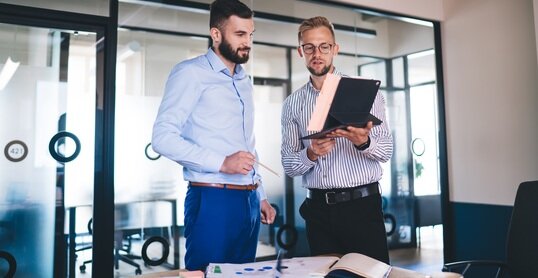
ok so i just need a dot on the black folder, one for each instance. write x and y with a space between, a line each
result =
351 106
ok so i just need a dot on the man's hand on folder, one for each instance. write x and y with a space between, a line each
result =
319 147
357 135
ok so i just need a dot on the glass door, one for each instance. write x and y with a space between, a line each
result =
425 129
269 68
150 189
48 134
397 187
268 100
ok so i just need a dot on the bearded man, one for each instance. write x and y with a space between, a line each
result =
205 123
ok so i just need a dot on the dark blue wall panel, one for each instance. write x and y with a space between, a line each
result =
480 231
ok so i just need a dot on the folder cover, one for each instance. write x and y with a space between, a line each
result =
342 102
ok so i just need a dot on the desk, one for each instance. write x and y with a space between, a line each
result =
170 273
396 272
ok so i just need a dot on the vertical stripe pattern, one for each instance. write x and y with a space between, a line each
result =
345 166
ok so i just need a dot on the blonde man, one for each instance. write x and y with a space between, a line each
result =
342 210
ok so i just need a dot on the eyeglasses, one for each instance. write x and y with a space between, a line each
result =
324 48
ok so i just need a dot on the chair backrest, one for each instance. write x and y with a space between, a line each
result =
428 210
522 243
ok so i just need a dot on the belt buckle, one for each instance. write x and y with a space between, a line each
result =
333 197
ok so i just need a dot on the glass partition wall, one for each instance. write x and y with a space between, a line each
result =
48 115
372 45
44 181
149 189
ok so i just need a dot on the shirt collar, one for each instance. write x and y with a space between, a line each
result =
218 66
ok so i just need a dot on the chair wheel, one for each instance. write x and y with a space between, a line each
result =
82 269
138 271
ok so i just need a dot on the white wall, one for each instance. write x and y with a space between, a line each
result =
491 92
491 95
535 5
427 9
405 38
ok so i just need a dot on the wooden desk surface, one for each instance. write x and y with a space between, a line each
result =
396 272
169 273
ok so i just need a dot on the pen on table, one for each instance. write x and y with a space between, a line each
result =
278 267
268 169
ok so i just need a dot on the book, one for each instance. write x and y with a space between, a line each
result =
349 265
342 102
358 265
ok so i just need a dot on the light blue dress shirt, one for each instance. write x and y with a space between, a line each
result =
205 115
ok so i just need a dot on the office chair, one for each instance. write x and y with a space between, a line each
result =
522 240
85 247
125 248
122 250
427 212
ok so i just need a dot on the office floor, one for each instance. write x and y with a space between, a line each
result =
426 259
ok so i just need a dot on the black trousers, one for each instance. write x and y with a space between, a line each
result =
354 226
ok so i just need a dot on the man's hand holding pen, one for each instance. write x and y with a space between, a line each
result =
240 162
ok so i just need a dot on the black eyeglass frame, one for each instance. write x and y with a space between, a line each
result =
318 47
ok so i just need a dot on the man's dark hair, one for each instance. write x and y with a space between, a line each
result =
221 10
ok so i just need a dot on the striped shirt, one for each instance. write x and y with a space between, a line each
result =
345 166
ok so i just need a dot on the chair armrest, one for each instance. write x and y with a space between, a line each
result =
466 265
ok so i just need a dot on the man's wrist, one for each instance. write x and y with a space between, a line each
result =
364 145
311 155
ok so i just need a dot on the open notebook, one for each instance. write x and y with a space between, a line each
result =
350 265
342 102
358 265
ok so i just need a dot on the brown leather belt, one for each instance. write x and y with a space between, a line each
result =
226 186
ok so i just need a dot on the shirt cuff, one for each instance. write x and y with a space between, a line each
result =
371 146
261 192
304 158
364 146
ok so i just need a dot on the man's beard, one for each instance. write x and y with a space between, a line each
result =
323 71
228 52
